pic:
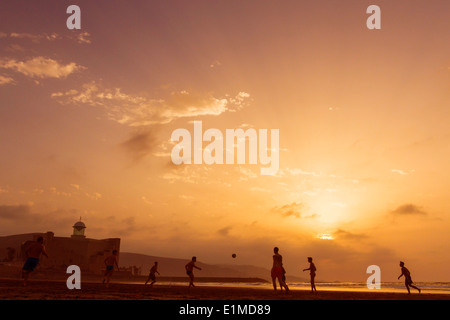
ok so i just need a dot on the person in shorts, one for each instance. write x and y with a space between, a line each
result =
277 271
152 276
190 270
109 263
312 272
408 279
33 254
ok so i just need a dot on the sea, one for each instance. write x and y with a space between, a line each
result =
426 287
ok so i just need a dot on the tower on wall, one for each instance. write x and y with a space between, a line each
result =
78 230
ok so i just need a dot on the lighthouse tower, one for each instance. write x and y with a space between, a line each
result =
78 230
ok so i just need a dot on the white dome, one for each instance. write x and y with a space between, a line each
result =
79 225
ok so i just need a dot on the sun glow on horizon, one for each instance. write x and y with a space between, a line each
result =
325 236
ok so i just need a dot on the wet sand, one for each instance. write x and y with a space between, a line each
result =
57 290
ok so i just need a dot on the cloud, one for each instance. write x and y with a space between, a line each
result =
408 209
346 235
84 38
14 212
247 173
14 47
188 174
36 38
81 38
297 171
40 67
401 172
126 227
76 186
146 200
6 80
215 64
135 111
183 105
140 144
295 209
259 189
164 149
20 218
225 231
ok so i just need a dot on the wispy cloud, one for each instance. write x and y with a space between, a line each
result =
140 144
14 212
84 38
259 189
76 186
80 37
225 231
297 171
295 209
346 235
134 110
188 174
41 67
409 209
36 38
146 200
14 47
402 172
247 173
6 80
215 64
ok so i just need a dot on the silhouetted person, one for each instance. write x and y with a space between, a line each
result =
284 274
190 270
277 271
152 276
109 263
312 272
33 254
408 280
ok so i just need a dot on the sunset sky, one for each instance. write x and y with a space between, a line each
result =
86 118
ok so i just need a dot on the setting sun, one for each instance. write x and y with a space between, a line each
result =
325 236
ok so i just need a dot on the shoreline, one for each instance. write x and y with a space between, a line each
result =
12 289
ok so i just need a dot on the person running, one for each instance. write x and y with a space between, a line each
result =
408 280
190 270
33 254
277 271
152 276
109 263
312 272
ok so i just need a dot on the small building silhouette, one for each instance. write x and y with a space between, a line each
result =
78 229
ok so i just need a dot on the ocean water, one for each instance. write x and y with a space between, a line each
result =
426 287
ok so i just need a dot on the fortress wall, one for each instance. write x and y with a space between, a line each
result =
88 254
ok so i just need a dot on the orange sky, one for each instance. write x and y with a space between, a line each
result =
86 118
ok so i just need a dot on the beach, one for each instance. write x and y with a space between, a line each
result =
12 289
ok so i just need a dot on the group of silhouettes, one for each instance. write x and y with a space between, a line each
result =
37 249
278 272
111 261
